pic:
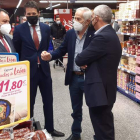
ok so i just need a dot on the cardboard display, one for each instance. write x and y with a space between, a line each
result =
14 93
8 57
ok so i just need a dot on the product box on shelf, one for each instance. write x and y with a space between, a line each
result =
138 95
137 79
117 15
129 10
137 70
138 60
137 87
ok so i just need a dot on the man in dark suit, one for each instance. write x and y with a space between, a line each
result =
30 39
114 24
101 59
6 44
75 41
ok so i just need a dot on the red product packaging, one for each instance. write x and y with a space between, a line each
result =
138 52
133 51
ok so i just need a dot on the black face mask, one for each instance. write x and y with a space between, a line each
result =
32 19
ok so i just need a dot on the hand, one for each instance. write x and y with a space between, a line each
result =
83 67
46 56
53 38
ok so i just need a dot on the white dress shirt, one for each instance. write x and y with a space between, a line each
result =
6 43
37 28
99 30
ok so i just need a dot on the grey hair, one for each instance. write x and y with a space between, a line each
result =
87 12
104 12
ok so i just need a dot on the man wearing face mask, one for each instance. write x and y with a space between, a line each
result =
101 57
30 39
75 41
6 44
58 32
114 24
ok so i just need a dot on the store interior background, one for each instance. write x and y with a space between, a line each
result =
126 111
47 14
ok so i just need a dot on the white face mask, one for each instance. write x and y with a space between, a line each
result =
58 22
78 26
5 28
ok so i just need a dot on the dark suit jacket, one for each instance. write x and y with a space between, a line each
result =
68 46
25 46
102 57
9 41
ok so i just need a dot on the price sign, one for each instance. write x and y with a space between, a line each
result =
14 93
8 57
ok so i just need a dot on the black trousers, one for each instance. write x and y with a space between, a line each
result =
45 86
103 122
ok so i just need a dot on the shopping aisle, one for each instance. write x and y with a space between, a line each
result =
126 112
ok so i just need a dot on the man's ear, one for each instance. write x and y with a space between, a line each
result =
88 21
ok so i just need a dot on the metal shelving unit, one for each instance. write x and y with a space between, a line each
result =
127 94
129 55
135 19
130 34
125 70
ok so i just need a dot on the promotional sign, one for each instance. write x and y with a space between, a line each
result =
65 17
14 93
8 57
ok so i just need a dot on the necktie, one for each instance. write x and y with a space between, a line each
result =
5 45
36 40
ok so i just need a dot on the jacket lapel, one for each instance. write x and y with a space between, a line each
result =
89 36
10 44
73 42
42 34
2 47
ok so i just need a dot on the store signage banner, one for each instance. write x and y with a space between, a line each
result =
64 11
8 57
14 93
65 17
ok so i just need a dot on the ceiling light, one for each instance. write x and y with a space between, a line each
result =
105 1
99 1
18 6
19 3
53 6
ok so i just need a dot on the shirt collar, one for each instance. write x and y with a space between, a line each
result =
36 24
99 30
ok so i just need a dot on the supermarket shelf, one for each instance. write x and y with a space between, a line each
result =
124 92
128 55
130 34
128 71
135 19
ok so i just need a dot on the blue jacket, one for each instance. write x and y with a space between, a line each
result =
25 46
102 57
68 46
